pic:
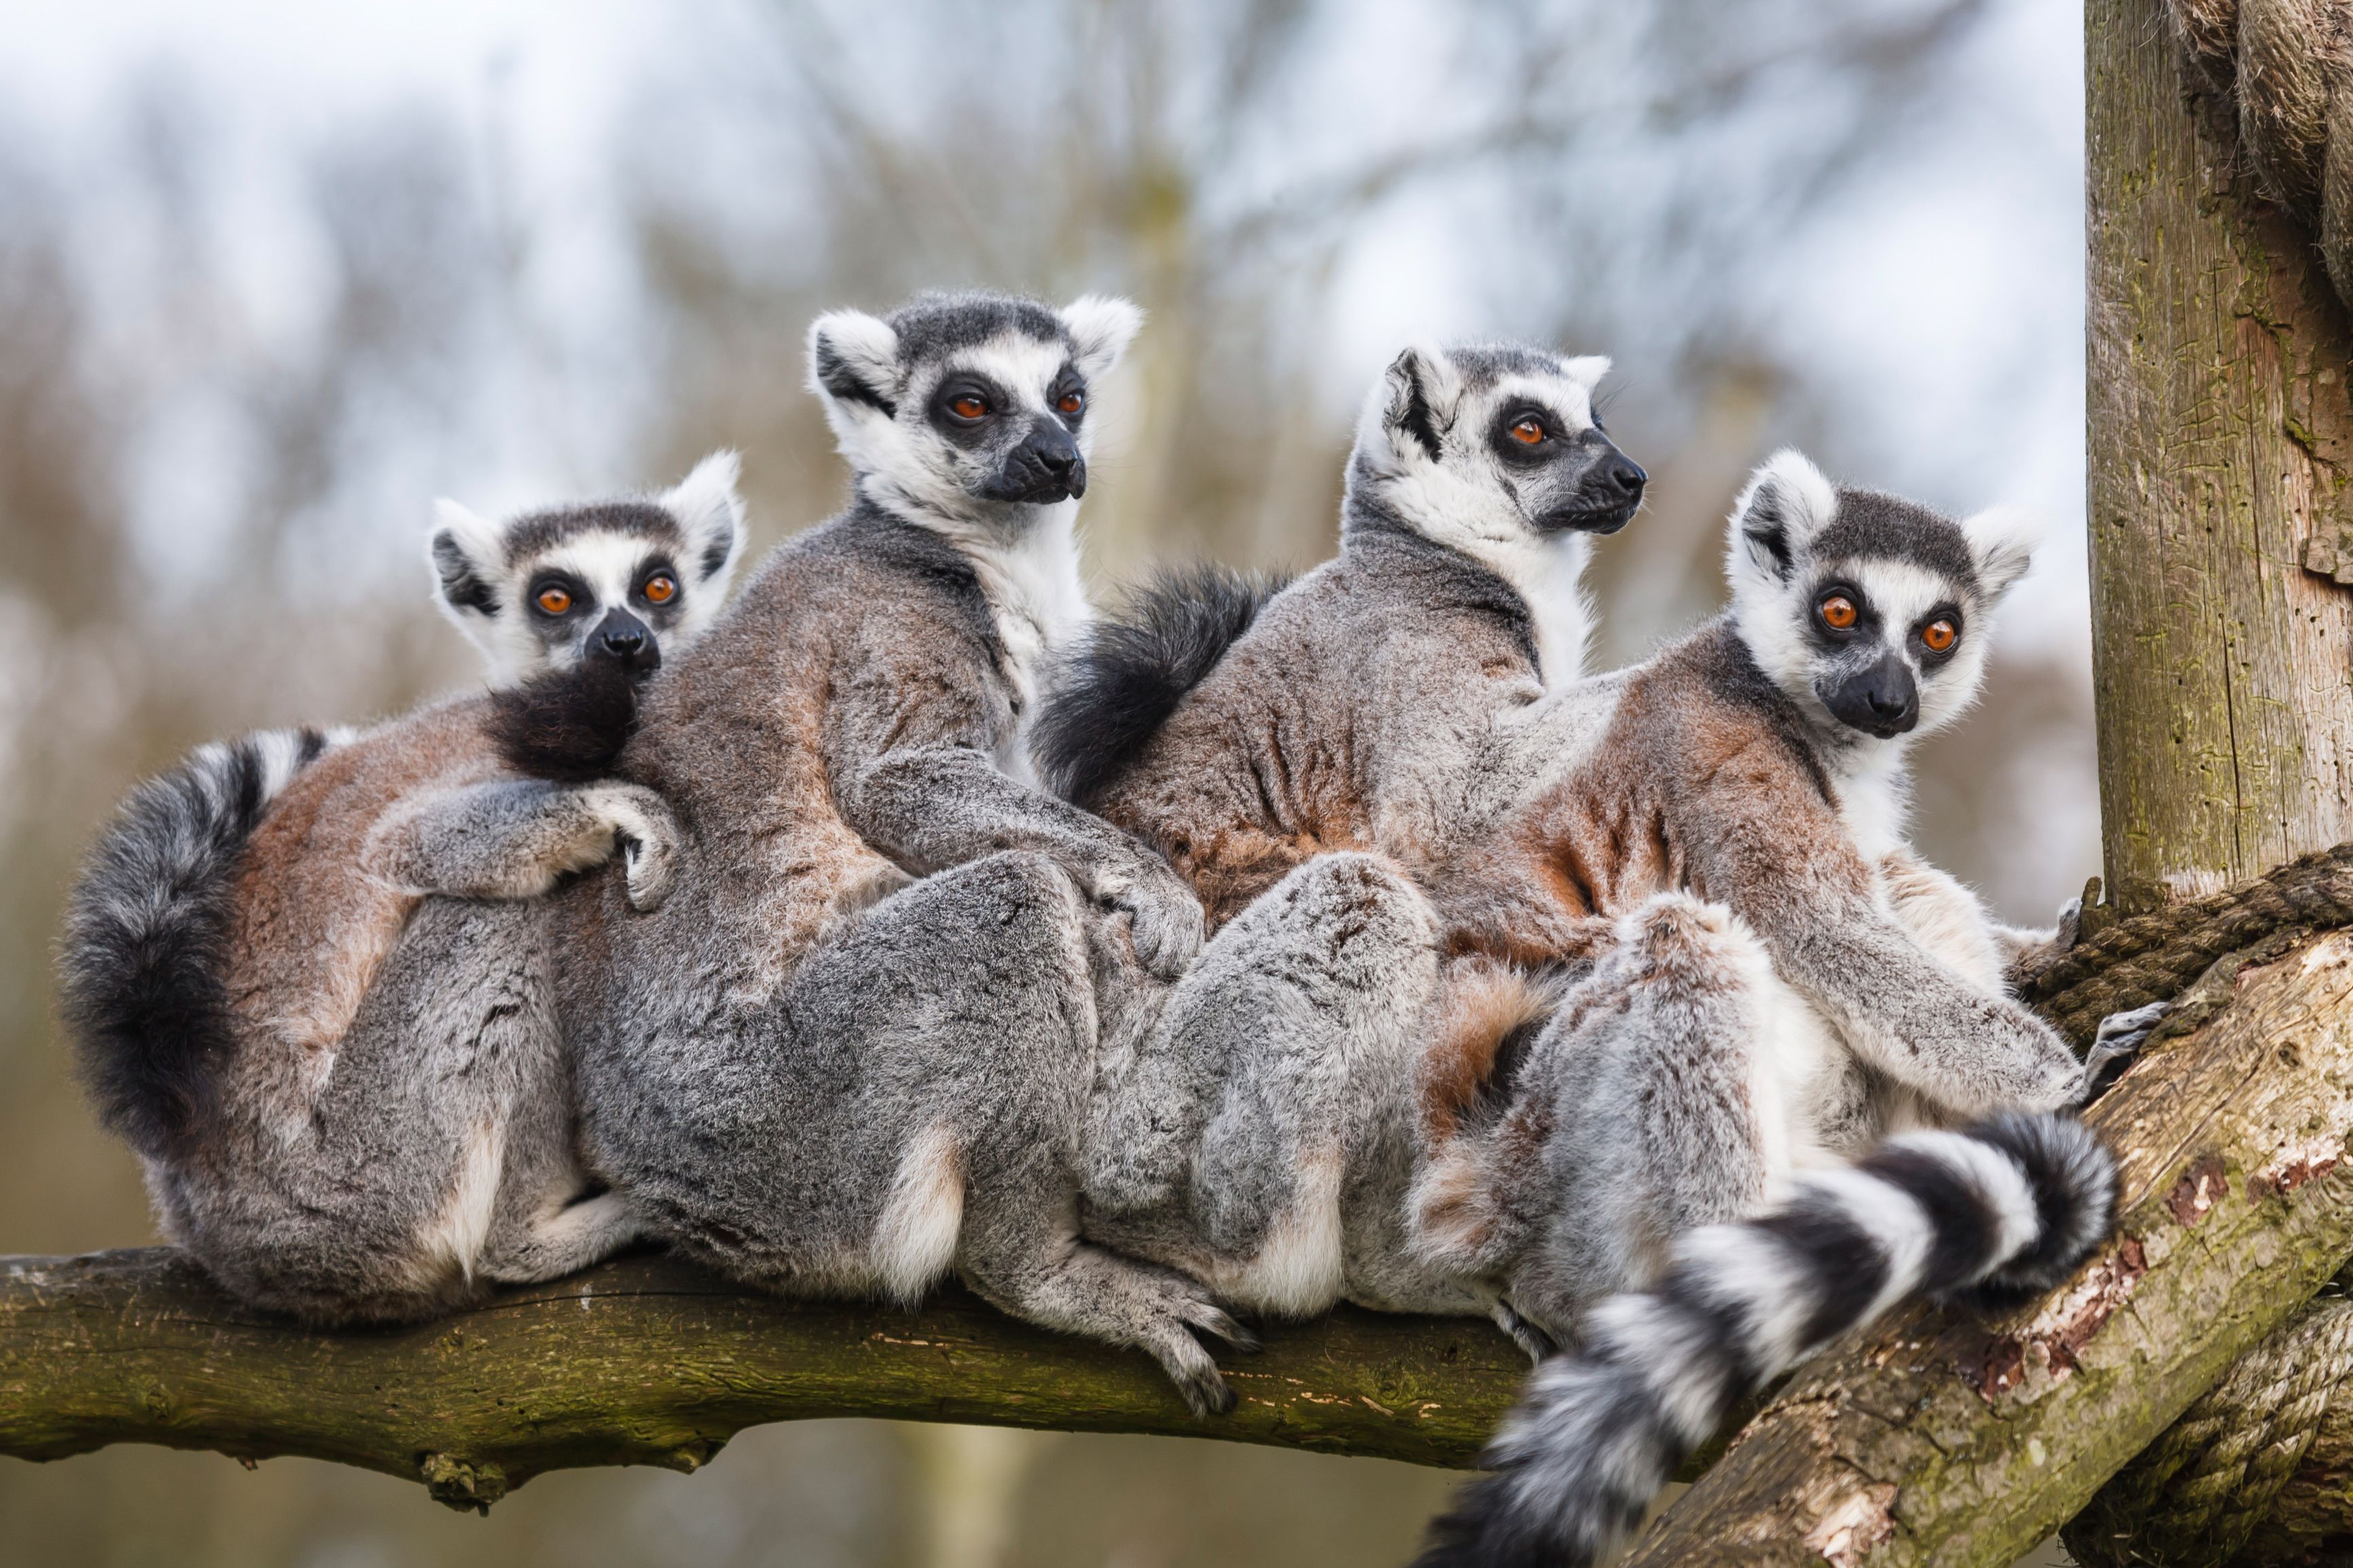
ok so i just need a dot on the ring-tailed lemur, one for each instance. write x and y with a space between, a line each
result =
1783 988
1242 730
1297 756
809 1069
308 976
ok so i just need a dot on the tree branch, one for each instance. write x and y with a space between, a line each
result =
646 1361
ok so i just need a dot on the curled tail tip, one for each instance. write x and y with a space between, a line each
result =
138 968
2073 1179
1115 689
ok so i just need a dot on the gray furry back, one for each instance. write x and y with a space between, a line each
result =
1119 685
139 970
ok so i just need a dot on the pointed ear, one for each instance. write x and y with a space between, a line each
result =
466 559
1586 370
2003 539
1419 391
853 361
1788 501
1101 327
712 515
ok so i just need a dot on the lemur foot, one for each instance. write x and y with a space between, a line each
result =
1176 1345
2118 1043
1530 1339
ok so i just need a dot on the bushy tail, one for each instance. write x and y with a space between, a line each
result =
567 726
1117 689
140 971
2006 1208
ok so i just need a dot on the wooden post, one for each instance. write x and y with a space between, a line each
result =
2219 421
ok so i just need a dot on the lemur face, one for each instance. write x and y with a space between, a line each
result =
617 580
1492 442
1868 609
968 405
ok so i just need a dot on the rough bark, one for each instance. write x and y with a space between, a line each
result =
1941 1437
2220 431
649 1362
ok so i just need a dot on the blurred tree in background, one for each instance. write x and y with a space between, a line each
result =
240 352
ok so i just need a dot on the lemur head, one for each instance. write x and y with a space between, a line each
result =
1493 447
967 406
618 579
1866 609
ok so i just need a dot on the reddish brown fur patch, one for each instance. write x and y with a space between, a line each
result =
309 927
1479 1005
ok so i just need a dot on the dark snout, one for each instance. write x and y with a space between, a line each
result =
1882 700
1607 496
1045 468
628 641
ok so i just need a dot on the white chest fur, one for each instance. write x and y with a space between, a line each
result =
1551 578
1874 792
1039 603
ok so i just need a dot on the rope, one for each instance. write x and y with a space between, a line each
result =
2155 957
2286 68
2193 1497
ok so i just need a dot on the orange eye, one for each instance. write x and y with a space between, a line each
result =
1528 432
968 407
1071 402
1938 636
1838 612
660 588
555 601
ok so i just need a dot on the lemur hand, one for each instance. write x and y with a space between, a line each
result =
1163 917
2019 1063
649 839
2118 1042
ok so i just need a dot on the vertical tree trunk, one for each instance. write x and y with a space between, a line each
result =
2218 439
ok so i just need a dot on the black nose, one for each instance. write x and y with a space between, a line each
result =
1046 467
1883 701
621 636
1625 476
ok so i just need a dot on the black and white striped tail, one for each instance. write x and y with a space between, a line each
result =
146 933
2008 1206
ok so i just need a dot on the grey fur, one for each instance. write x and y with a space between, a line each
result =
1255 1125
388 1119
1276 1131
851 1053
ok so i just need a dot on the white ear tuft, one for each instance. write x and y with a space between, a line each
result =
468 558
1101 327
2003 539
1787 500
711 514
1410 407
853 361
1586 370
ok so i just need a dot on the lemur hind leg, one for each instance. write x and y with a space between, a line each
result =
966 1006
376 1203
1249 1099
549 1218
1664 1084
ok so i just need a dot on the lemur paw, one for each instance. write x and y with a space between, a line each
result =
1164 917
649 841
2118 1043
1530 1339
